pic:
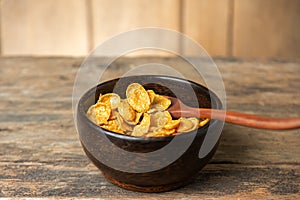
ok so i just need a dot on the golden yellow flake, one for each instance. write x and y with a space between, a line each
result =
143 113
138 97
111 99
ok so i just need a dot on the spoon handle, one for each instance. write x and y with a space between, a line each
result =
243 119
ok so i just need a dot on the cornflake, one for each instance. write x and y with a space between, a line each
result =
111 99
142 114
138 97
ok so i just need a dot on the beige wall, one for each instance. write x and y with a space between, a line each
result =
245 28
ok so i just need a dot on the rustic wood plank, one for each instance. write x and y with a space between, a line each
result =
0 27
268 28
40 154
111 17
207 22
49 27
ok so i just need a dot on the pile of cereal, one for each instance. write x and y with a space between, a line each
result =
143 113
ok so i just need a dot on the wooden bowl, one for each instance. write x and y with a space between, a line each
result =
106 149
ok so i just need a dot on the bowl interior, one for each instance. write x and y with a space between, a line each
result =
163 85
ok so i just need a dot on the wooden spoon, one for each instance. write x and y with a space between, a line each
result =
178 109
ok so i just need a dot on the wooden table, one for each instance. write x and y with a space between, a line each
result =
40 153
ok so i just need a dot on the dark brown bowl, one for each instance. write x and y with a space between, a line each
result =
127 161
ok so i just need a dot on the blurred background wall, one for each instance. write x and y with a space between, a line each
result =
242 28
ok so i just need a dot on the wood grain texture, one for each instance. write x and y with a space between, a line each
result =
40 153
112 17
248 28
207 23
268 28
48 27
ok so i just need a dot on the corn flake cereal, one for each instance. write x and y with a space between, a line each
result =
161 103
173 124
143 127
188 124
126 111
138 97
99 113
111 99
143 113
203 122
112 125
159 119
122 124
151 94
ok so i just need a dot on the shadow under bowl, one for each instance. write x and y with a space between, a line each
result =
143 164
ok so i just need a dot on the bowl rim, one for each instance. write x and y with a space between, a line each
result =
91 91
